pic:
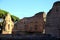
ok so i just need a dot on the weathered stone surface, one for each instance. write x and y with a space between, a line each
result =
8 25
31 24
53 20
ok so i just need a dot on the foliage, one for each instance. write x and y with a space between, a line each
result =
14 18
3 14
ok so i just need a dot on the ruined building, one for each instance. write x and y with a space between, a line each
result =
8 25
53 20
31 24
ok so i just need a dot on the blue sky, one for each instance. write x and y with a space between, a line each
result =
26 8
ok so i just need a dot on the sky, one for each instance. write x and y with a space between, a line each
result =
26 8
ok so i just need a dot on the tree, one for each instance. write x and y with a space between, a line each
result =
14 18
3 14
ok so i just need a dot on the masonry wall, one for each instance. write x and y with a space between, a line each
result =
30 24
8 25
53 20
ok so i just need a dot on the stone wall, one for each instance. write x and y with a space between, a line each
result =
53 20
31 24
8 25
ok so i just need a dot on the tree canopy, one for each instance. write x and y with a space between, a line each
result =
3 14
